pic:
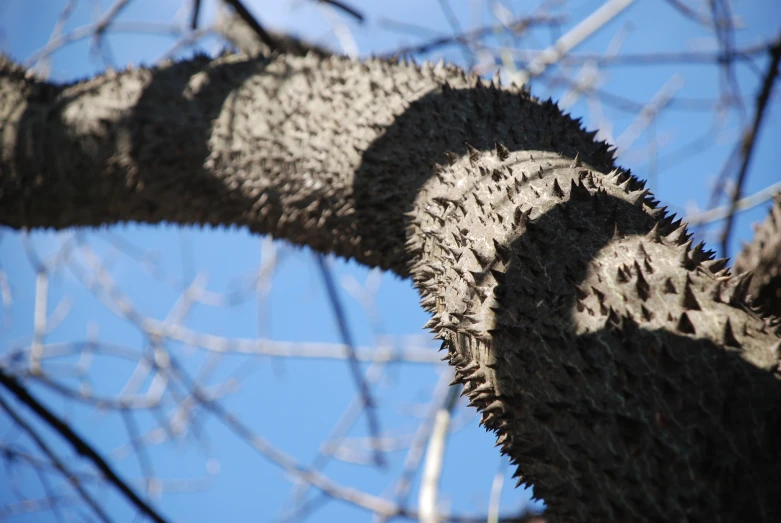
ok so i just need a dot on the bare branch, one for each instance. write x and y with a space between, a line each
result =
701 18
516 27
355 368
719 213
342 6
432 468
72 478
648 114
196 10
78 443
657 58
452 19
247 18
750 139
496 495
569 41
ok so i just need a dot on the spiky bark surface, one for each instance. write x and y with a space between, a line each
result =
763 257
620 368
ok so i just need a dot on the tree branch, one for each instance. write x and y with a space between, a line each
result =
80 446
251 22
750 139
72 478
352 360
621 368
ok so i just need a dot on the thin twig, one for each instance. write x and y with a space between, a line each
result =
39 320
346 8
726 37
456 26
683 57
78 443
194 14
331 442
385 353
250 20
322 482
355 367
631 106
39 463
110 16
43 69
87 31
571 39
518 26
417 447
432 468
29 506
496 494
207 401
719 213
144 463
700 18
103 24
648 114
750 140
55 461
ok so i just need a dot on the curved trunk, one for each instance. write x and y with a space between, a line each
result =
621 368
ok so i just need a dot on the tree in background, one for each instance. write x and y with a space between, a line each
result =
624 371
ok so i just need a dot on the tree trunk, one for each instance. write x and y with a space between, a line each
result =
622 370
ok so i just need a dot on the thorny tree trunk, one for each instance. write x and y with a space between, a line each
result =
622 369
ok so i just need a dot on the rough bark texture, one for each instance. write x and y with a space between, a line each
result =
622 370
763 257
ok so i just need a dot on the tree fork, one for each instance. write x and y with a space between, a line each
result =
623 370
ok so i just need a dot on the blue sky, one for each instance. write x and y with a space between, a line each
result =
294 403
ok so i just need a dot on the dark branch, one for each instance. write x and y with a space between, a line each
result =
250 20
750 139
194 14
346 8
55 461
467 37
78 443
355 367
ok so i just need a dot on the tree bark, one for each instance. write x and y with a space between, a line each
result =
623 371
763 258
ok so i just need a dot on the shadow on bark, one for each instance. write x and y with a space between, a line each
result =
625 423
654 423
168 151
435 129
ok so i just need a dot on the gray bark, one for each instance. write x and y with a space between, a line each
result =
623 370
763 258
